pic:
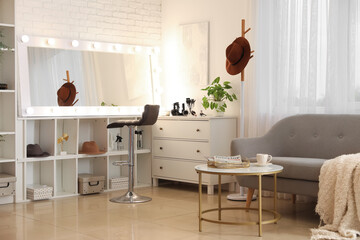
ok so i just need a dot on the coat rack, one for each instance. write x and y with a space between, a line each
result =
242 116
242 196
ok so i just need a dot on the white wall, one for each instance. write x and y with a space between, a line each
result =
225 25
123 21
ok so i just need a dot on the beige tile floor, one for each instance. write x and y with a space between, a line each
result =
171 215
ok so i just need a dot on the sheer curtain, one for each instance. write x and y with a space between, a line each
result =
307 53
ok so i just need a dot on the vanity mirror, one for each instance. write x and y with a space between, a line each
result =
112 74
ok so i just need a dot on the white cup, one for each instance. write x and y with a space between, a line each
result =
263 159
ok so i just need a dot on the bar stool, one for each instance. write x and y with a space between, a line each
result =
149 117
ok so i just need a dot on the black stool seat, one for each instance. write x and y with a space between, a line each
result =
149 117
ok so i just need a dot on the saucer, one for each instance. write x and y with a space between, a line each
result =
262 165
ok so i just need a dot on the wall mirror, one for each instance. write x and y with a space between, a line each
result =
121 76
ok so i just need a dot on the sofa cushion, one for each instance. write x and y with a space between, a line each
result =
299 168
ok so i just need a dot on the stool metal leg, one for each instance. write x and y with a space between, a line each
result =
131 196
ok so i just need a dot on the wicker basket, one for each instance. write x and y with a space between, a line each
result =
119 183
91 184
39 192
7 185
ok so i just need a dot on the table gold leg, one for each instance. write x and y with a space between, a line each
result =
275 194
219 197
200 193
260 207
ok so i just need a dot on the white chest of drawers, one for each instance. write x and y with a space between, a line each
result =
181 143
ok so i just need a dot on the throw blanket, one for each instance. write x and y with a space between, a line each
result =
339 198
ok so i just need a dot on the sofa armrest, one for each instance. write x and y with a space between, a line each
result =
249 147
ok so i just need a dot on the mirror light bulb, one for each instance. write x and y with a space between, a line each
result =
25 38
138 49
51 41
29 110
75 43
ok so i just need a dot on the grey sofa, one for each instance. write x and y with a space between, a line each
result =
301 144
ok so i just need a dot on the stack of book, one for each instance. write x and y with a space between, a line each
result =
227 162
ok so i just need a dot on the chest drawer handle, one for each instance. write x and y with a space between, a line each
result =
161 167
198 151
198 130
161 129
161 148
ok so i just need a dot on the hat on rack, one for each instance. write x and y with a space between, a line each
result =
66 94
90 148
34 150
237 55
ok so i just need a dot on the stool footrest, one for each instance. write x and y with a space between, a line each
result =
120 163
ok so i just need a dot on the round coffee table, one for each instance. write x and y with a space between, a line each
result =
250 171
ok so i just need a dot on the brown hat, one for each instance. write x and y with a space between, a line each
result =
34 150
90 148
237 55
66 94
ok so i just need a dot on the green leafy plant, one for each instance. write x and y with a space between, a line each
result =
216 95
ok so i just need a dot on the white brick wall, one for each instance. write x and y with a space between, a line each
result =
124 21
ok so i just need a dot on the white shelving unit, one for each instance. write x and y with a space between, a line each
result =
7 96
61 171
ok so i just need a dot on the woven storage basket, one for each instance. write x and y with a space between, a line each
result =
39 192
91 184
119 183
7 184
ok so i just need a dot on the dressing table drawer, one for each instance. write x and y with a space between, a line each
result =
181 149
177 170
181 143
182 129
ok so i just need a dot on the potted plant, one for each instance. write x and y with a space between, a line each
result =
61 141
217 94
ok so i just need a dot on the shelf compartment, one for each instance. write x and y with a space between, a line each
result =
93 165
143 175
66 177
7 148
93 130
7 109
114 132
146 138
7 11
41 132
8 168
40 173
68 126
117 171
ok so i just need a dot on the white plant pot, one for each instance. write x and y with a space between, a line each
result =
218 113
62 153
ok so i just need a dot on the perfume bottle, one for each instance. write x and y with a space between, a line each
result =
119 143
139 142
